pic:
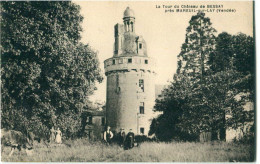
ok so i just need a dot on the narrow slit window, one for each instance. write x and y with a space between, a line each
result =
114 62
141 108
141 85
140 46
132 27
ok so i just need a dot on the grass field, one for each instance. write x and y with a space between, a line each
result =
83 151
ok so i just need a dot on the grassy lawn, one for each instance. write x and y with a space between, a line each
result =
83 151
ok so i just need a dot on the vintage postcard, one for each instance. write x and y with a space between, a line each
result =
128 81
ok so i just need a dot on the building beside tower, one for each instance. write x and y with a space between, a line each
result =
130 80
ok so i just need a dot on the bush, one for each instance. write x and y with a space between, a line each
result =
246 139
141 138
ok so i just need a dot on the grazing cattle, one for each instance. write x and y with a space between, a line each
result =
40 138
15 140
31 136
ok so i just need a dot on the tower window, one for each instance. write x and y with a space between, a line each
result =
146 61
129 60
120 61
140 46
118 89
114 62
142 130
141 108
141 84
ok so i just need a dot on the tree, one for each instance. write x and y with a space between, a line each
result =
235 51
182 99
244 52
193 62
190 108
47 74
209 85
224 53
199 44
216 99
175 100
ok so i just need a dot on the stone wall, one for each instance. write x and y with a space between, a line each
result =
124 97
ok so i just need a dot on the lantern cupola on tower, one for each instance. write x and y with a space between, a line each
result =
127 43
129 20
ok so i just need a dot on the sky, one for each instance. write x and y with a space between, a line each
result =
164 32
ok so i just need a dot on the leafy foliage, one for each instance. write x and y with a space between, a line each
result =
47 74
237 52
199 44
213 84
221 58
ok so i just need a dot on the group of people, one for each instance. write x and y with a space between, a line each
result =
56 136
126 141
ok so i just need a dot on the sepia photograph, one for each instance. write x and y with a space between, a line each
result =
128 81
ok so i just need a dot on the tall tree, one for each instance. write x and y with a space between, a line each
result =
199 44
47 75
208 85
193 62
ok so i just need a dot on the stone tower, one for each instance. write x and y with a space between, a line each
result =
130 80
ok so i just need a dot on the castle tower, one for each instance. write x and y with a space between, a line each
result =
130 80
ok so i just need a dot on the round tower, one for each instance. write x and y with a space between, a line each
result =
130 80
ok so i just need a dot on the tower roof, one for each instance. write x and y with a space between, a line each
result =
129 13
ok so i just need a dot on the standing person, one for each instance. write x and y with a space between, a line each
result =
121 137
108 135
129 141
52 136
58 136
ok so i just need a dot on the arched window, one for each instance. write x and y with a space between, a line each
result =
127 26
132 26
140 46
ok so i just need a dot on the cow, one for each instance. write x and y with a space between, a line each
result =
16 140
